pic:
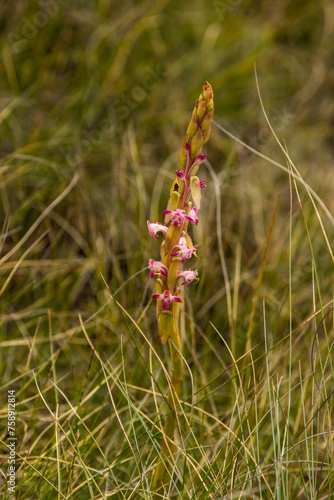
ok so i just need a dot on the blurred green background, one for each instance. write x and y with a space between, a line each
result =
105 90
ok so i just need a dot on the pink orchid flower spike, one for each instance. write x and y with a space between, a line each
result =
180 215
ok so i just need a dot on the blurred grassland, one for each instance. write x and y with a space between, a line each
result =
95 98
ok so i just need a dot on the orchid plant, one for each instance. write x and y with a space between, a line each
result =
177 246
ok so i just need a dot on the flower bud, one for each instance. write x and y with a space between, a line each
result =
199 128
196 144
173 271
207 96
193 124
201 109
206 123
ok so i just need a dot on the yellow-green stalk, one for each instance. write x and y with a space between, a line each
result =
176 247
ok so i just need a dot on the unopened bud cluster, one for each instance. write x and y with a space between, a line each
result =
182 209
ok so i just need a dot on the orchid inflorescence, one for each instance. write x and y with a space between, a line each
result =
177 246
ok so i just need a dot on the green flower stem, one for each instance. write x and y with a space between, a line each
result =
180 210
164 468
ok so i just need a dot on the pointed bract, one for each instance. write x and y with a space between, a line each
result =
195 190
166 323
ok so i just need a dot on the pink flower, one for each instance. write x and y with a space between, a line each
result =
184 251
157 267
202 184
192 217
154 228
188 275
178 216
166 297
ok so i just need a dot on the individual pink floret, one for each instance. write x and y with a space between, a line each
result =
157 267
184 251
188 275
155 227
192 217
166 297
178 216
